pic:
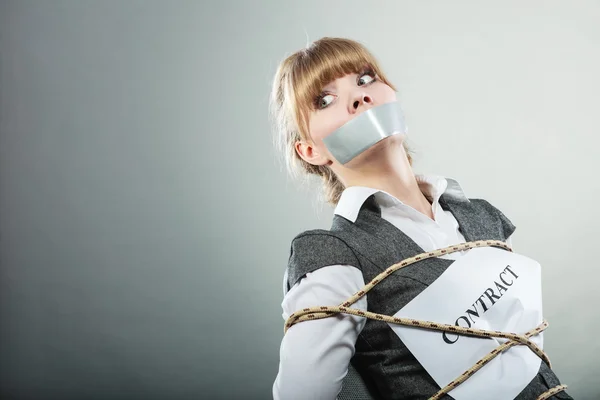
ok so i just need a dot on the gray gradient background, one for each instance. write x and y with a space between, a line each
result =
145 221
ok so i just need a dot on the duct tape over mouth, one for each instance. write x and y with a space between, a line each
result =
365 130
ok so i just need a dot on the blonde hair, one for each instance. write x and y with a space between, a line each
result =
298 80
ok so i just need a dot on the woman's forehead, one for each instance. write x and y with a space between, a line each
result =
333 83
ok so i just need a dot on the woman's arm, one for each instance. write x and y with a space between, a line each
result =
314 355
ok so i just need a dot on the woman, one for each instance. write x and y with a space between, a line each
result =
384 213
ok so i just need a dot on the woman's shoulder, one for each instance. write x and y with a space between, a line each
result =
488 208
320 244
313 249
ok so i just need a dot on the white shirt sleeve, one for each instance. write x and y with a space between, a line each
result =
509 242
314 355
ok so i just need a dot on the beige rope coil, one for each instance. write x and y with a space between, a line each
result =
313 313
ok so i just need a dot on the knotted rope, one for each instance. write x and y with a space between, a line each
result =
313 313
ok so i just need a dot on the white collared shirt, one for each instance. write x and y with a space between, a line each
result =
314 355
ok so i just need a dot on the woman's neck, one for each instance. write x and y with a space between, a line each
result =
404 187
389 170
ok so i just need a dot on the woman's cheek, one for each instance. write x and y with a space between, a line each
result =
326 130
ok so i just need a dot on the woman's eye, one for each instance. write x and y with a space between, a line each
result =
369 74
323 102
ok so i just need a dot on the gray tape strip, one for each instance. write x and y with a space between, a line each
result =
365 130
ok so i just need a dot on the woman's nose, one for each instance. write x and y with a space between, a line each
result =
362 99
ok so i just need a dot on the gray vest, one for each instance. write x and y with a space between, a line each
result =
372 244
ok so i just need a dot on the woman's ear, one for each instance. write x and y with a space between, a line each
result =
309 153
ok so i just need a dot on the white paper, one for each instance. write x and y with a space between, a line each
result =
514 305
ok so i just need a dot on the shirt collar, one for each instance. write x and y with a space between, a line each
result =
432 186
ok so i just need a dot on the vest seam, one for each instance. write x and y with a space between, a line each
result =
336 237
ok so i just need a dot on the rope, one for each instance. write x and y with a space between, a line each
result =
552 392
313 313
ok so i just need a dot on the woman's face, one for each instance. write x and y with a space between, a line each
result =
340 101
